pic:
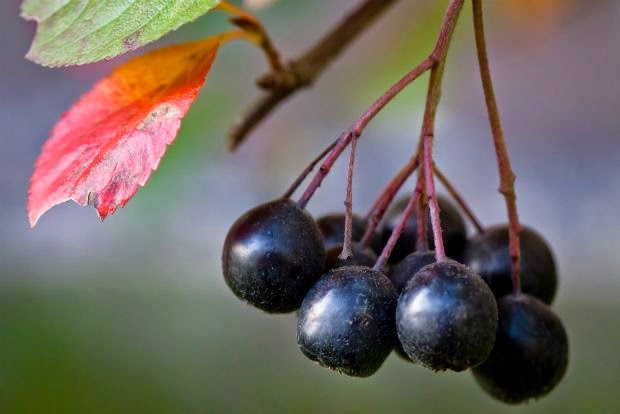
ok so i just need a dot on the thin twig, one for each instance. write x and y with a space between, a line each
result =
428 127
381 204
433 205
357 128
347 245
459 199
302 71
422 238
327 164
434 61
398 230
289 192
507 177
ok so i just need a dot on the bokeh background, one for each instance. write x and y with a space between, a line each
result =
132 315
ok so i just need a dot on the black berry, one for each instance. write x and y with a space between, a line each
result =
272 255
530 354
446 317
346 321
452 225
362 256
404 271
487 254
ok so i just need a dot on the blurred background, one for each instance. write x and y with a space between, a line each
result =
132 315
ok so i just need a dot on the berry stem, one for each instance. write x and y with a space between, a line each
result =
428 131
347 250
357 128
381 204
391 243
422 240
459 199
328 162
433 61
432 196
506 175
289 192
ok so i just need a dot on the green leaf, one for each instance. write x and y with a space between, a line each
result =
74 32
41 9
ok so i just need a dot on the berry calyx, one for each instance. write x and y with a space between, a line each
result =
452 223
530 355
346 321
446 317
272 255
487 254
362 256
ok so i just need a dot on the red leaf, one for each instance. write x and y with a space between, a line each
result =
111 140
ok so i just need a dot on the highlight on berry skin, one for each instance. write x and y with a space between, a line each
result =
272 256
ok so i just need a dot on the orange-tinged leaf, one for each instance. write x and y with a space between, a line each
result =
111 140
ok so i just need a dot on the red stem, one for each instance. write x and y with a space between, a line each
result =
506 175
432 197
328 162
357 128
381 204
437 56
391 243
347 250
308 170
459 199
428 131
422 240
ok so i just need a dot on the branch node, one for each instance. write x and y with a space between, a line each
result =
434 57
300 73
290 78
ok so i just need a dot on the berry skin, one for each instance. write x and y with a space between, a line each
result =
346 321
530 354
332 229
446 317
362 256
272 256
452 225
402 272
487 254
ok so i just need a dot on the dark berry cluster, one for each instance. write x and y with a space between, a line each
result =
406 277
445 315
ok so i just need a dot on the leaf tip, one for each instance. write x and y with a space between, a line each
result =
35 213
32 221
